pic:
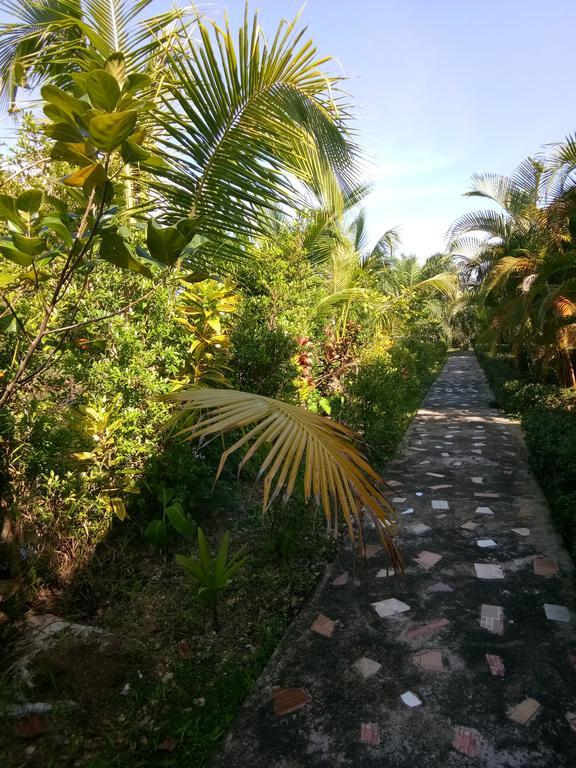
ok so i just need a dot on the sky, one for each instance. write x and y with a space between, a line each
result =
442 89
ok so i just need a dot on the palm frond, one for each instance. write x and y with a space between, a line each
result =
335 473
247 128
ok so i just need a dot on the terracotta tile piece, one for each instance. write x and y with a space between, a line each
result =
571 717
370 734
339 581
525 711
323 626
426 629
372 549
428 560
545 566
429 661
495 664
466 741
288 700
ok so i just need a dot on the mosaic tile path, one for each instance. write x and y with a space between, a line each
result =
469 659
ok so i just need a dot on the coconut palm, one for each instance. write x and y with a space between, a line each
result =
49 40
521 260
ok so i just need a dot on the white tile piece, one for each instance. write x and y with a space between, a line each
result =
399 500
435 474
476 450
488 571
409 511
393 483
521 531
439 487
426 461
469 526
419 528
445 455
556 612
486 543
440 517
390 607
367 667
410 699
439 504
477 480
484 511
419 493
385 572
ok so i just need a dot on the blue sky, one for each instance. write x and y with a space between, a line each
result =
442 89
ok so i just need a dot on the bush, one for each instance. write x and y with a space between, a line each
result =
548 416
381 396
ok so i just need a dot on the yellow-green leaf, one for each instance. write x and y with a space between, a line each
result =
108 131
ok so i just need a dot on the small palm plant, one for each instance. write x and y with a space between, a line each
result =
212 575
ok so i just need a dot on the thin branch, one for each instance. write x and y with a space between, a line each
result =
66 328
18 321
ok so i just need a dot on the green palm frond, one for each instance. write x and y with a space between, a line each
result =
335 473
246 129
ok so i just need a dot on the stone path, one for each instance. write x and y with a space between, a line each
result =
467 660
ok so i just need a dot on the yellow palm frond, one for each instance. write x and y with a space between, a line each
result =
336 474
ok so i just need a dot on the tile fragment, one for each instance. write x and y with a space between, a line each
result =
367 667
427 559
427 629
495 664
492 618
557 612
390 607
288 700
545 566
525 711
324 626
370 734
429 661
488 571
466 741
342 579
410 699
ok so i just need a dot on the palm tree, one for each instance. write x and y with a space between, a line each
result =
520 260
49 40
245 131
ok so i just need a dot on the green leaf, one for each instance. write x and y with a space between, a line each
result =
13 254
193 568
157 533
29 202
7 278
33 246
119 508
180 522
204 552
136 82
8 324
132 153
88 177
103 89
110 130
116 66
73 153
65 102
221 558
8 211
63 132
114 250
57 226
164 243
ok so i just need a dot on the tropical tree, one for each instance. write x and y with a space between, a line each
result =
235 134
520 261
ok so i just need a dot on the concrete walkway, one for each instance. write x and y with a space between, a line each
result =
480 630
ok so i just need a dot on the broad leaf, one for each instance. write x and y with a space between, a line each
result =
110 130
103 89
114 250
